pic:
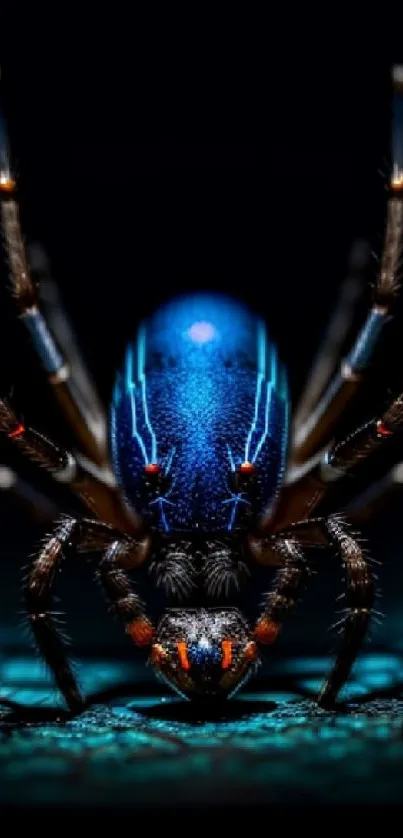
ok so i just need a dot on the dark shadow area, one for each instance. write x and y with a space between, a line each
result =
142 180
177 709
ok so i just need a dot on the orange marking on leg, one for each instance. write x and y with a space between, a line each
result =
266 630
140 631
250 651
18 431
383 429
7 184
227 654
183 655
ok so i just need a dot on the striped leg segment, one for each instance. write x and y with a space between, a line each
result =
282 599
316 431
63 468
91 439
337 333
60 326
300 501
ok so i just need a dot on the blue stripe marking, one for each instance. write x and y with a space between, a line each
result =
362 352
43 341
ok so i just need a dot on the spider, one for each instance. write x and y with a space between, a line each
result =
205 473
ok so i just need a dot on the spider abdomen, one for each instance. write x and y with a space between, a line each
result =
199 423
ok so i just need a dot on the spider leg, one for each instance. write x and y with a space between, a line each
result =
90 434
367 503
34 503
86 536
355 622
344 458
316 431
289 579
336 334
290 548
102 499
60 325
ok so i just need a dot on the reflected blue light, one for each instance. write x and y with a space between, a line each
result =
202 332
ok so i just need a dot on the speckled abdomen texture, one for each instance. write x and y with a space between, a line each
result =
202 391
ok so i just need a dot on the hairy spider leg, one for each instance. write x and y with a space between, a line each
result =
287 551
315 432
337 333
118 552
289 579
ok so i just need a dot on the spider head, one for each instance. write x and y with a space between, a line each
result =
204 654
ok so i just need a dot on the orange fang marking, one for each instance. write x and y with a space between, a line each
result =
183 655
227 653
18 431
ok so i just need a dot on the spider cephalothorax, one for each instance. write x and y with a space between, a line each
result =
205 480
204 653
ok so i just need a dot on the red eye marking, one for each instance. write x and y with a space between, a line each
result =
247 468
183 655
152 468
227 654
266 630
18 431
382 429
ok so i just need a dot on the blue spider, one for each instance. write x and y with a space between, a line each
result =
198 484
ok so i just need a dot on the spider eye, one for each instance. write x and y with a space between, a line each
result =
152 469
243 478
157 482
247 468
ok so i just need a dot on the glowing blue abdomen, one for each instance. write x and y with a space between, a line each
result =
201 391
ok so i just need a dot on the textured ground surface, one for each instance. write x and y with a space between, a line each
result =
270 746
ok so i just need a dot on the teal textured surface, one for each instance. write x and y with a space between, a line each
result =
272 746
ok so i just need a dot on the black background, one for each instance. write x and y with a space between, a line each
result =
153 158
